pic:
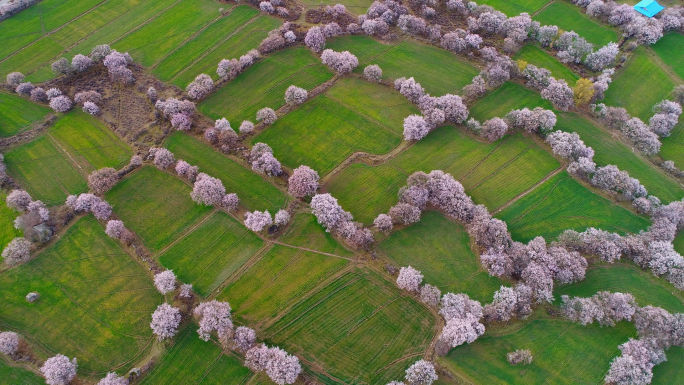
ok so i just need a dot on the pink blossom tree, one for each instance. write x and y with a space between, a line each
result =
102 180
9 343
113 379
415 127
59 370
91 108
187 171
280 367
163 158
494 129
282 217
18 200
295 95
165 281
15 78
38 94
246 127
340 62
214 316
207 190
88 96
101 210
24 88
421 373
115 229
559 93
328 212
230 202
314 39
165 321
430 295
257 221
244 338
17 251
383 223
81 63
409 279
404 213
372 73
60 103
303 182
200 87
267 115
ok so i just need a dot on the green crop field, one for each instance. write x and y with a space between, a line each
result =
7 230
673 146
626 278
89 143
562 203
18 376
234 45
17 114
672 368
532 54
569 17
211 253
440 249
276 281
639 85
670 49
679 243
44 171
322 133
437 70
564 352
367 191
84 279
358 327
146 196
380 104
265 82
255 192
304 231
514 8
191 361
610 150
510 96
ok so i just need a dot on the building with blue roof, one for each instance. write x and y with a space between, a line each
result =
648 7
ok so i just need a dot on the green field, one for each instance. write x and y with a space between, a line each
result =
89 142
230 37
44 171
18 376
440 249
510 96
7 216
569 17
437 70
304 231
191 361
562 203
485 170
255 192
266 82
322 133
360 328
564 352
679 242
381 104
156 205
516 7
276 281
673 146
672 368
610 150
17 114
626 278
670 49
532 54
84 279
357 7
211 253
639 85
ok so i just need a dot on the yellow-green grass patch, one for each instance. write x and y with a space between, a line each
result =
359 328
562 203
492 173
156 205
211 253
255 192
306 232
322 133
440 249
90 143
510 96
670 49
437 70
639 85
277 280
564 352
191 361
380 104
95 300
516 7
264 83
621 277
569 17
18 376
170 30
670 370
610 150
7 216
679 242
232 45
44 171
534 55
17 114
